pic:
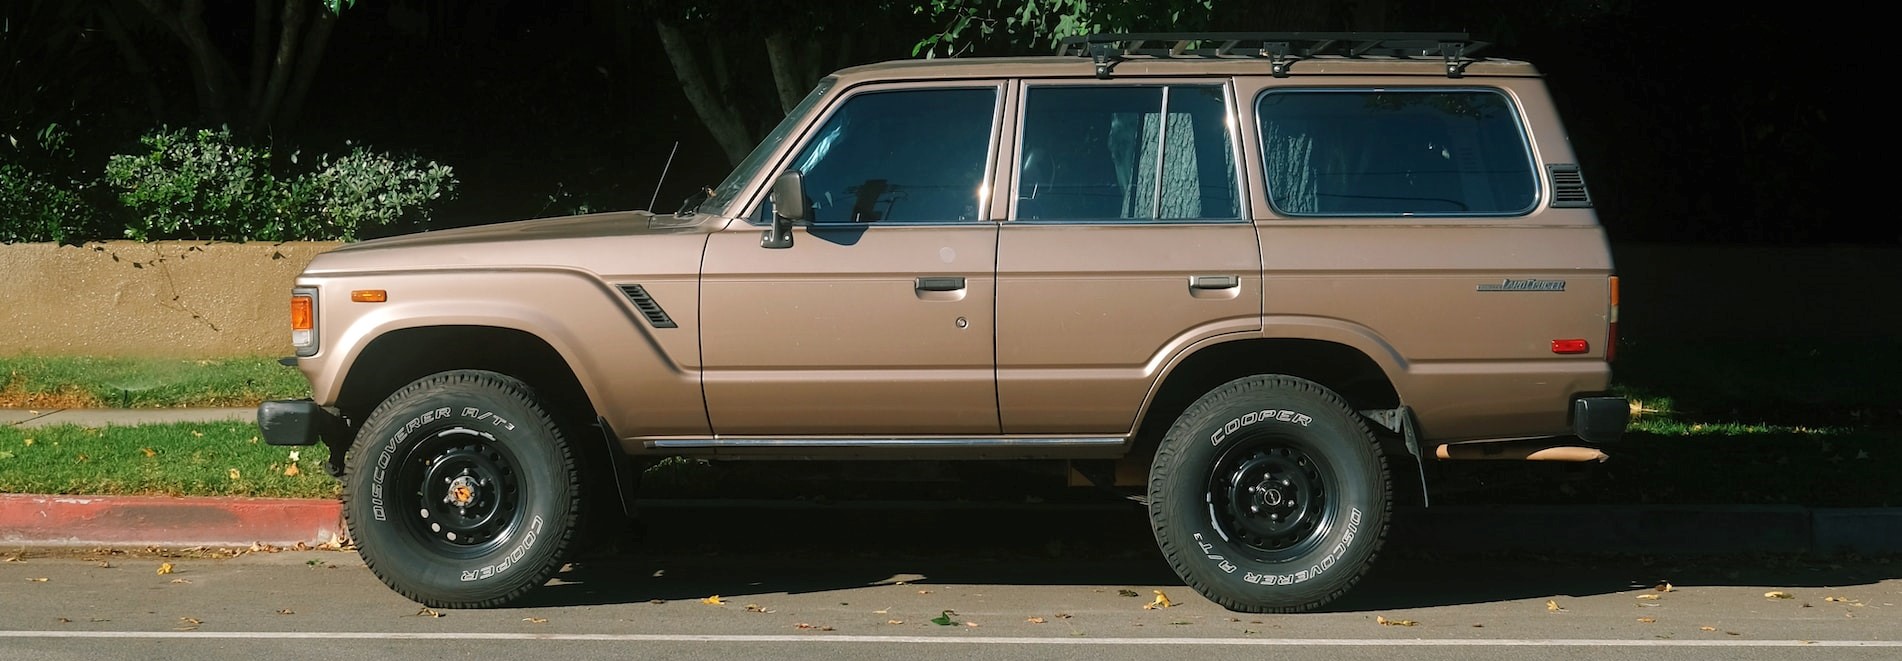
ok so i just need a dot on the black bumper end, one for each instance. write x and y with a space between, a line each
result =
299 422
1600 419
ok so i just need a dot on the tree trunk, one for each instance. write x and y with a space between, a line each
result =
315 45
292 20
260 49
210 72
135 62
783 56
721 119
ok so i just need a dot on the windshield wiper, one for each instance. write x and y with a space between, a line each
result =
692 203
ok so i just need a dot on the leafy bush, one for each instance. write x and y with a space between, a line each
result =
38 207
203 185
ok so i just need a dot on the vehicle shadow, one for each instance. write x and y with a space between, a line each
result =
741 549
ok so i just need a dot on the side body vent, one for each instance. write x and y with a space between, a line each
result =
1568 186
645 303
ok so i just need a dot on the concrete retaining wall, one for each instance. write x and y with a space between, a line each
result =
183 299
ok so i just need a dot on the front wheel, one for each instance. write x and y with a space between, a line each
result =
1269 495
461 491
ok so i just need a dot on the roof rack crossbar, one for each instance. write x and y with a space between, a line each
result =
1281 49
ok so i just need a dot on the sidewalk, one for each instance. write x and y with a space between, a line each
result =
109 417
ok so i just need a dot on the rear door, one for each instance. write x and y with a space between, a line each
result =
1128 241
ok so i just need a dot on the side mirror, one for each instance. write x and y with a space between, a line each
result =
789 206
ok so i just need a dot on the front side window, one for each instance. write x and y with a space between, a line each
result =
1395 152
900 156
1094 153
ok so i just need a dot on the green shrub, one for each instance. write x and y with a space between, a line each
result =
204 185
36 207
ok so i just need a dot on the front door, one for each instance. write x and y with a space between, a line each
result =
879 319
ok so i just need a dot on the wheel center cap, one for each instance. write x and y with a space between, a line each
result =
461 492
1273 497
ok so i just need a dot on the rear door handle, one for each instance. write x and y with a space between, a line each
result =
1215 282
941 283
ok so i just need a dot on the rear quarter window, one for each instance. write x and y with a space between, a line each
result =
1395 152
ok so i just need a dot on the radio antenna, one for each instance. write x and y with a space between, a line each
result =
663 175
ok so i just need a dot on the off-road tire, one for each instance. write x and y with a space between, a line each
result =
462 491
1269 495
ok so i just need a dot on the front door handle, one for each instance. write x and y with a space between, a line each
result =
1215 282
941 283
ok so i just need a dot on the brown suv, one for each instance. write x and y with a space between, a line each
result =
1249 272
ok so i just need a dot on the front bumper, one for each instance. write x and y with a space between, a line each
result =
1600 419
300 422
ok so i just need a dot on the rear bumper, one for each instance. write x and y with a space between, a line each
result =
299 422
1600 419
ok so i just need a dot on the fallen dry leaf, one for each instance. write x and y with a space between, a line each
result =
29 441
286 611
1552 606
1665 587
41 579
181 580
233 472
924 592
198 434
165 568
1034 620
149 452
1776 594
535 620
1126 593
428 612
755 608
1647 620
882 611
1649 596
894 621
1707 628
64 621
813 627
1063 616
714 600
1162 601
105 564
188 623
1841 600
971 624
291 471
1382 619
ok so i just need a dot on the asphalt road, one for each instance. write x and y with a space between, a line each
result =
1039 585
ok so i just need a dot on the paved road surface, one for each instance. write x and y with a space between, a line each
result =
868 587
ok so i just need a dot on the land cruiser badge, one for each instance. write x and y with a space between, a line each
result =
1510 284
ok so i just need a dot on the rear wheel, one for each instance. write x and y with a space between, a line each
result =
462 492
1269 495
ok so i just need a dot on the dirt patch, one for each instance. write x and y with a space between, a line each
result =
13 396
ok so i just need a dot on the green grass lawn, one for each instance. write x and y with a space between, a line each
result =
187 459
85 382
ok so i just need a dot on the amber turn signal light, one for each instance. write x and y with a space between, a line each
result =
369 296
301 317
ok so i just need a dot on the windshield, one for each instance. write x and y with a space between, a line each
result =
723 195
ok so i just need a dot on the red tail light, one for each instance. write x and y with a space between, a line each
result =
1611 330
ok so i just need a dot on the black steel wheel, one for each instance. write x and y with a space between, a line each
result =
462 492
1269 494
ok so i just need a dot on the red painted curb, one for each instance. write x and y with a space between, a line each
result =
41 520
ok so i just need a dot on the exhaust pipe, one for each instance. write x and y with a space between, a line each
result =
1519 451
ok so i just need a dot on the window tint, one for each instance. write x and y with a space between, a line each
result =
1108 153
904 156
1395 152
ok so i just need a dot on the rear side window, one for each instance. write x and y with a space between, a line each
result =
1388 152
1098 153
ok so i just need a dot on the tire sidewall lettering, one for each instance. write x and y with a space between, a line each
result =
1226 430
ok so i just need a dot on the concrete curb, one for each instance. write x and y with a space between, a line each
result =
39 520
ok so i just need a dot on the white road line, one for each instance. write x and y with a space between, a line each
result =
945 640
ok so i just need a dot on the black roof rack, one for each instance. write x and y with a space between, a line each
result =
1281 49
